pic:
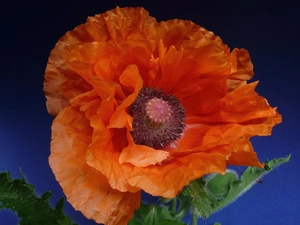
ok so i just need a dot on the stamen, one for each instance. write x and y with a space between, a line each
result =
158 118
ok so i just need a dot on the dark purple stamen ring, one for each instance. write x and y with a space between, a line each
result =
158 118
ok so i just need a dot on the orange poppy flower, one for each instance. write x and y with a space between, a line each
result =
142 105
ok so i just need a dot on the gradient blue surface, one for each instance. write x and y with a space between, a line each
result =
269 30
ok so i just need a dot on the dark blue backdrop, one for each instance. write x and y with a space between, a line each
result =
269 30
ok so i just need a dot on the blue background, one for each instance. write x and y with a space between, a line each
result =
269 30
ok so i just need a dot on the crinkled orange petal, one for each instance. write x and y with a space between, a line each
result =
141 155
131 79
241 70
123 23
87 102
107 60
86 188
202 56
62 83
182 68
225 148
209 90
168 179
105 91
179 33
205 136
243 154
103 155
135 52
238 106
94 59
241 112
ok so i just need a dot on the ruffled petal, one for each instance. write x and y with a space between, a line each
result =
62 83
86 188
108 60
199 55
172 66
238 106
94 59
88 103
243 154
204 136
180 33
168 179
241 69
209 90
141 155
104 152
128 23
241 112
132 81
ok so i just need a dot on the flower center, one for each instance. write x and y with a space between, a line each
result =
158 118
158 111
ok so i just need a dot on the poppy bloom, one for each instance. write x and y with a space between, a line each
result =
142 105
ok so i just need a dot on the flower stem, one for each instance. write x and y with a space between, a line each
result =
173 205
194 216
152 215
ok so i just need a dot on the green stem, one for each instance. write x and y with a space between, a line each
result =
173 206
152 215
194 215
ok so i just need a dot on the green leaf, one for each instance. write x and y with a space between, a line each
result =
135 221
153 215
169 222
184 206
19 196
247 180
200 198
218 185
178 206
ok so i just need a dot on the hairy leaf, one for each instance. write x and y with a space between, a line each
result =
247 180
154 215
218 185
19 196
200 198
